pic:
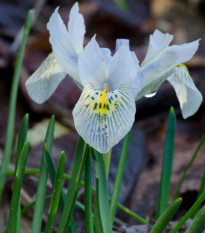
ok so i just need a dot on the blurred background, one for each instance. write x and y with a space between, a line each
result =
109 19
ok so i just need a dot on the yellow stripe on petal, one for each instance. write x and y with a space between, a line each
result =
182 66
102 103
103 118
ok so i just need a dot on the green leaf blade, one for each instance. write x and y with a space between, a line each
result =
56 194
166 216
119 176
197 221
75 181
17 188
42 184
88 195
164 188
102 194
189 213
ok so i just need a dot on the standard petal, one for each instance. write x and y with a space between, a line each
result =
120 42
106 54
103 123
44 81
122 69
188 95
63 49
158 42
76 28
167 60
92 65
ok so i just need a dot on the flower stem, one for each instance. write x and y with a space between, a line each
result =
106 159
119 176
88 195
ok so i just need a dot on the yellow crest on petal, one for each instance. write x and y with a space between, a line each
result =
102 103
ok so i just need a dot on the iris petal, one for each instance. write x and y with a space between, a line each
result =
76 28
44 81
92 65
158 42
62 46
103 120
122 68
188 95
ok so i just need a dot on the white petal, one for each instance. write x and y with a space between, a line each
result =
158 42
103 130
63 49
92 65
137 85
122 69
167 60
120 42
76 28
149 88
188 95
106 54
44 81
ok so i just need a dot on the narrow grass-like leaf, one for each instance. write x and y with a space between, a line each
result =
88 195
21 141
17 188
42 182
12 105
56 195
22 137
102 193
187 167
202 186
166 172
34 171
166 216
189 213
78 165
52 172
119 176
197 221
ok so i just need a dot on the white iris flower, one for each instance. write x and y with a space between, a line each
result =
105 111
110 84
163 62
